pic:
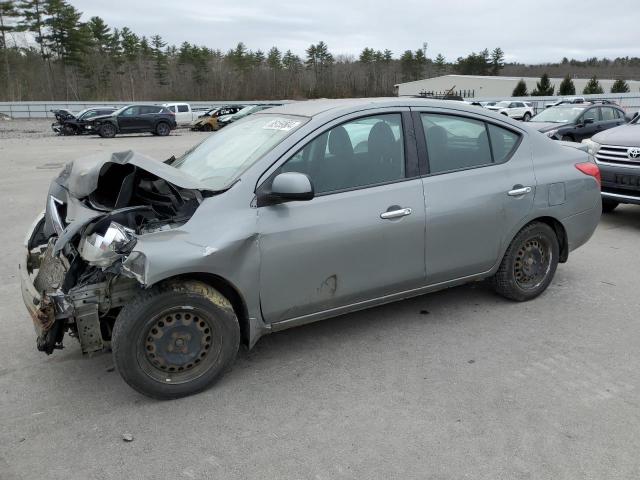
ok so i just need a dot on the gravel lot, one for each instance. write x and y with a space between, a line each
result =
456 384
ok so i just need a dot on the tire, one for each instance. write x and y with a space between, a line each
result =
69 130
175 339
207 128
526 117
107 130
162 129
518 279
567 138
609 206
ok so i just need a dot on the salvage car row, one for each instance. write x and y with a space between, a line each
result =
155 119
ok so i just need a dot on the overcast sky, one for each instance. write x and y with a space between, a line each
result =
529 32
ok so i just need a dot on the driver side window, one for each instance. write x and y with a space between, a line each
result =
130 112
363 152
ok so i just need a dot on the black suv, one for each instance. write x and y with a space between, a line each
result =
155 119
76 125
617 153
576 122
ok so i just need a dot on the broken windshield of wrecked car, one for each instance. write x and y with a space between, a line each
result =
219 160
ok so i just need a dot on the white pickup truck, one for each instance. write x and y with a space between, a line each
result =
183 112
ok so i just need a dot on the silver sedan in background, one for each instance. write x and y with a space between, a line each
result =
293 215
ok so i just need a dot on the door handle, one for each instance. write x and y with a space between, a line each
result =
388 215
519 190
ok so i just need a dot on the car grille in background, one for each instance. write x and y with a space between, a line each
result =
617 155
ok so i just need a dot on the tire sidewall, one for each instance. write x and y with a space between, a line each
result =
134 323
160 126
107 130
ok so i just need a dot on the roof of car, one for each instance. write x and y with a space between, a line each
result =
311 108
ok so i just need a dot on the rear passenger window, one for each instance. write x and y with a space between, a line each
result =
363 152
149 109
609 113
183 108
454 142
503 142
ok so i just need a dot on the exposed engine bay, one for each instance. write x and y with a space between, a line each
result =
80 261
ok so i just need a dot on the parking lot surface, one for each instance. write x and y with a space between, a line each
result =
456 384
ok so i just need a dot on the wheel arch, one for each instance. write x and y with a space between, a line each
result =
558 228
228 290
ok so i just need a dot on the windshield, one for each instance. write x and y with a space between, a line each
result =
503 104
223 157
558 115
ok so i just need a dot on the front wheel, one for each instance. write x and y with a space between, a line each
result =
207 127
175 340
107 130
529 264
526 117
609 206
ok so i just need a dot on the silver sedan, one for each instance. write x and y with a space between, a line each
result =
293 215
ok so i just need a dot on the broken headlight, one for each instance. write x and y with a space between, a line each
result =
101 250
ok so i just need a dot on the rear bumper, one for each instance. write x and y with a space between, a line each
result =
580 227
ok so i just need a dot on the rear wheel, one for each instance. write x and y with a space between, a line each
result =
175 339
163 129
529 263
107 130
609 206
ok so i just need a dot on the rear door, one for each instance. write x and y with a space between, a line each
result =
479 185
609 118
362 236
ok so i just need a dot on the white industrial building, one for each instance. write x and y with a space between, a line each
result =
490 87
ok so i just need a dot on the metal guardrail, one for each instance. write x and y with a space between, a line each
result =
43 109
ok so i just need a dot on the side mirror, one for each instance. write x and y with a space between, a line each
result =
587 121
285 187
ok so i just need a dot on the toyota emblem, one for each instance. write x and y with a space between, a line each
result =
634 153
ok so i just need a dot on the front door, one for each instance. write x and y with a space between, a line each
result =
360 238
591 127
130 119
479 187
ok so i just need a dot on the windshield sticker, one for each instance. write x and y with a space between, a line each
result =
281 124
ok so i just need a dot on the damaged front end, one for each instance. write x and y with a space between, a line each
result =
79 267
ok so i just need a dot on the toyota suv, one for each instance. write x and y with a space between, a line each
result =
617 153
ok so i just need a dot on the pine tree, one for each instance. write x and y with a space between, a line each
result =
406 65
620 86
274 59
160 64
497 61
567 87
520 90
543 87
8 16
593 87
440 63
33 21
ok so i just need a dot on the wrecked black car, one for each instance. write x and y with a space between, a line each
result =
80 124
61 115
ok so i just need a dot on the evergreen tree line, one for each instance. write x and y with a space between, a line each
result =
544 88
77 60
49 53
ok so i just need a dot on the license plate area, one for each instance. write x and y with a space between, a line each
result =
627 180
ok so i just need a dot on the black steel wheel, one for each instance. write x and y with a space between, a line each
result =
175 339
529 263
207 127
163 129
107 130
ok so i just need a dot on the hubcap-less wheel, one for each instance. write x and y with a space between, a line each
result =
532 263
178 346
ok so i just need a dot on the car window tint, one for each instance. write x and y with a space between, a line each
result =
172 108
130 111
592 113
608 113
455 142
363 152
503 142
183 108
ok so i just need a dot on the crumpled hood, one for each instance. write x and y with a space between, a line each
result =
624 135
80 177
99 118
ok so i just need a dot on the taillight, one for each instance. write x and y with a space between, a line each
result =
590 169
